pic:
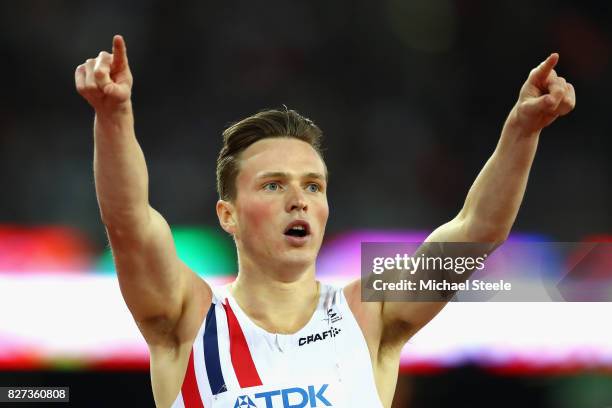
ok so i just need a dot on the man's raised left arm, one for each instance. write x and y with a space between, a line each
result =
493 201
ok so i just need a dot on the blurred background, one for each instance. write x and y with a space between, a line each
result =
411 96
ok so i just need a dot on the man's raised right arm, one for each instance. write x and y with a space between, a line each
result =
159 289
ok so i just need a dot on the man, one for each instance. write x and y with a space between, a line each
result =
276 337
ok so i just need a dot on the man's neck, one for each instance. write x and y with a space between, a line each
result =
277 305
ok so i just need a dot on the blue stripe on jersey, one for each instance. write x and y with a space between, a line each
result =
211 353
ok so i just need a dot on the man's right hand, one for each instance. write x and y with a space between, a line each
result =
106 81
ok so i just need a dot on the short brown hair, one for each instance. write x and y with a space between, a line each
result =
269 123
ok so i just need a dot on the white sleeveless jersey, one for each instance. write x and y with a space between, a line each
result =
237 364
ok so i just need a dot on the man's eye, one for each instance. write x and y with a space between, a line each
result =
313 188
271 186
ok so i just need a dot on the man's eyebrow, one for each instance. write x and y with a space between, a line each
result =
273 174
280 174
314 176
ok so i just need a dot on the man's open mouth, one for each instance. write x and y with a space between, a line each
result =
298 229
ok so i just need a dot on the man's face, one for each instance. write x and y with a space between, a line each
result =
281 206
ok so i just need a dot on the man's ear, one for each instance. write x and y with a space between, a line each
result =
225 213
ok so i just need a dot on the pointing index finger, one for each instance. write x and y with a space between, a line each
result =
119 52
541 73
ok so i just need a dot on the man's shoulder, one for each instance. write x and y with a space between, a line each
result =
364 312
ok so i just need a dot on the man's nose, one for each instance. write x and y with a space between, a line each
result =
296 200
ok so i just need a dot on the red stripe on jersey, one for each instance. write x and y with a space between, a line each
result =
189 389
244 367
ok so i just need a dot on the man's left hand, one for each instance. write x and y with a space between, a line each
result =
544 97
